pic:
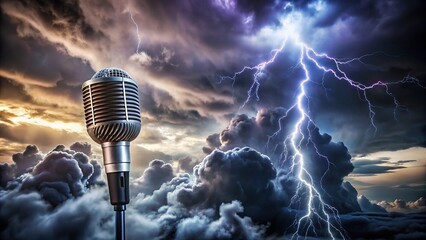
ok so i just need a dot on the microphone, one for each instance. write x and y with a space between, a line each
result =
112 114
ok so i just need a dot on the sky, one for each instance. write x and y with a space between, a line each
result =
189 59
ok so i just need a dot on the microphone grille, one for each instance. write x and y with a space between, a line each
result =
111 106
111 72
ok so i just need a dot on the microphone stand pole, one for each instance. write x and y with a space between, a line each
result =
120 222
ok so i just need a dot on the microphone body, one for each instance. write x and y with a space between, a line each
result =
112 114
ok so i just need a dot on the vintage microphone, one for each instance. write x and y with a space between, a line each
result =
112 112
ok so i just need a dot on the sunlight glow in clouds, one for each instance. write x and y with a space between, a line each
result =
23 115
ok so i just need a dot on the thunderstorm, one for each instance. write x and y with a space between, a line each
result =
316 208
258 119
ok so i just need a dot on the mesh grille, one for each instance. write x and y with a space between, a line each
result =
111 72
108 102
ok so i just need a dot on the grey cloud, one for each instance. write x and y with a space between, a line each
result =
372 167
367 206
83 147
229 225
39 55
31 211
60 176
96 178
402 162
57 176
400 205
187 164
157 173
220 178
221 200
97 218
162 107
213 142
373 170
6 174
385 225
74 25
327 171
26 160
12 90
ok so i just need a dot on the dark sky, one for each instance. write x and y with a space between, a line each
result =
183 53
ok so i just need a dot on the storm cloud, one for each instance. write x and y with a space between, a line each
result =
328 162
183 58
220 200
157 173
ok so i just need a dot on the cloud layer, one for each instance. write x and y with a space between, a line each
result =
220 200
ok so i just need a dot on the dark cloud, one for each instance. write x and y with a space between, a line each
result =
402 162
6 174
229 225
327 169
213 142
367 206
30 210
385 225
187 164
197 99
261 12
221 187
95 179
337 10
410 137
242 131
253 132
26 160
372 167
44 63
221 200
96 219
157 173
59 175
232 171
83 147
223 21
198 195
161 107
12 90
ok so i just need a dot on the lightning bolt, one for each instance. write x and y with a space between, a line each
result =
317 210
136 28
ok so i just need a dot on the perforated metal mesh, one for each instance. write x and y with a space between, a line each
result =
111 72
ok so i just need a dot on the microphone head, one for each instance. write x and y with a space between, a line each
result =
111 106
